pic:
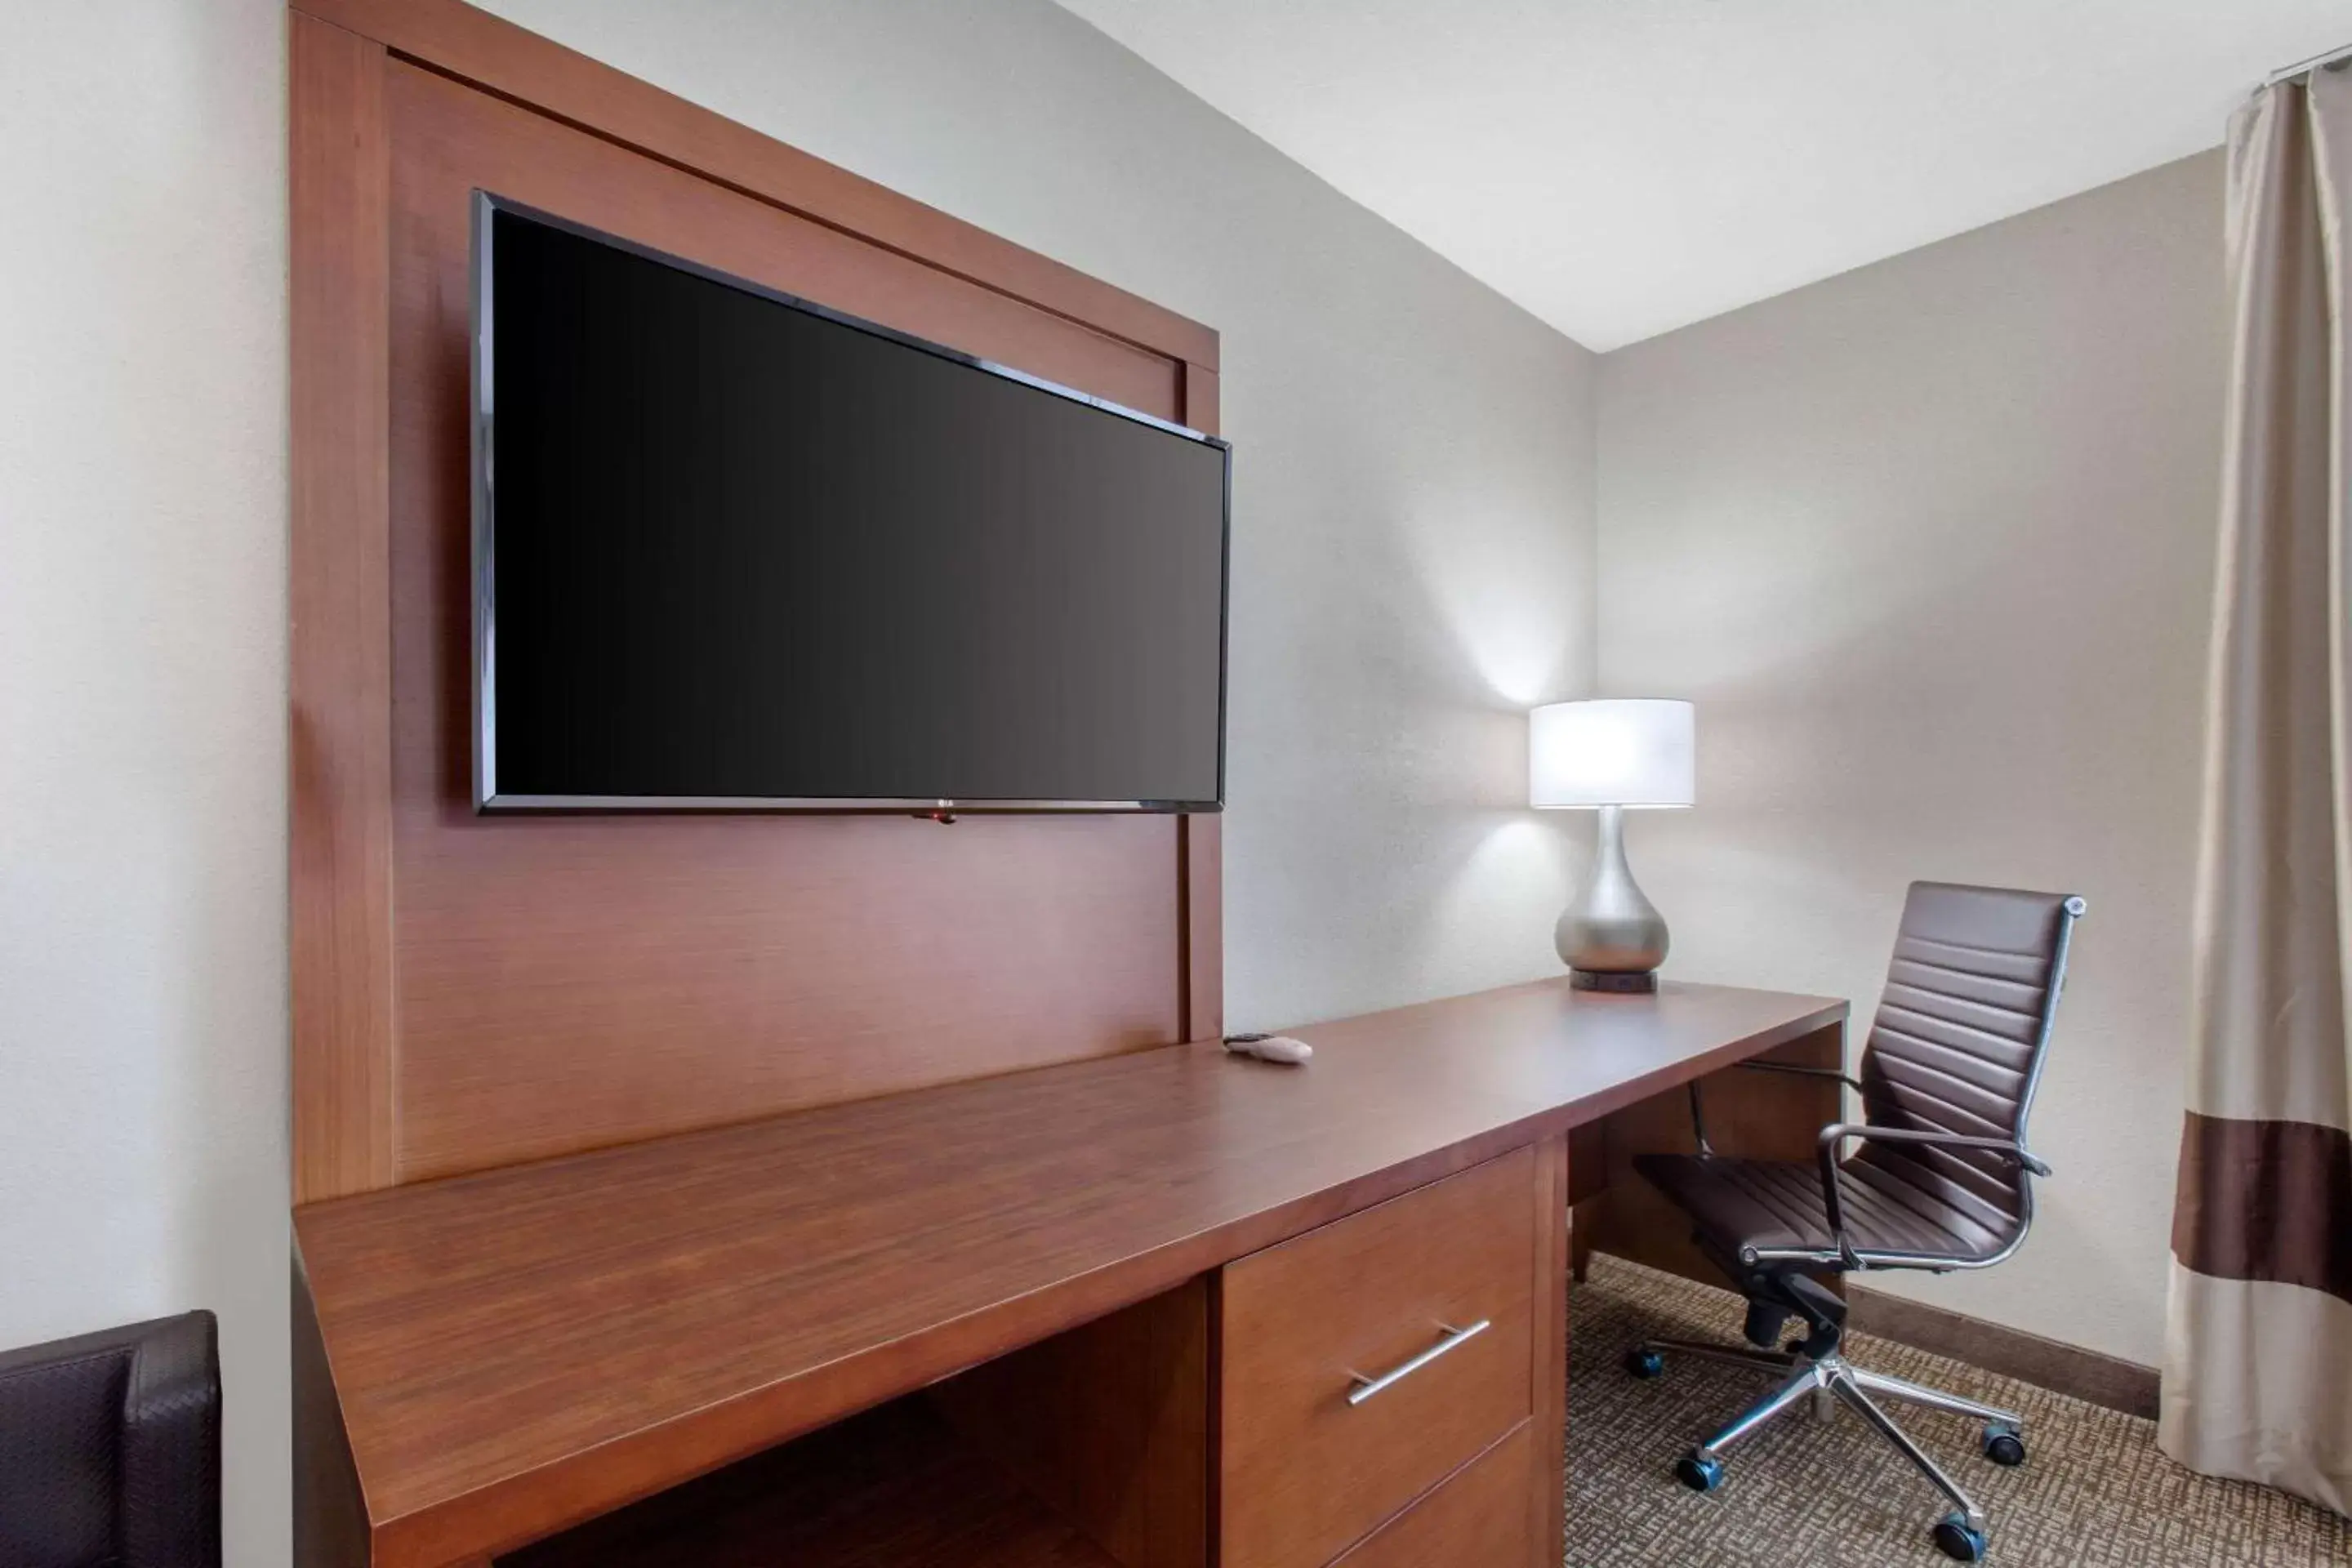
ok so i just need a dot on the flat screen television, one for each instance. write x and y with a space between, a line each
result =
736 551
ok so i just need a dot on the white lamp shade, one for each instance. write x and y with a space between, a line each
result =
1611 752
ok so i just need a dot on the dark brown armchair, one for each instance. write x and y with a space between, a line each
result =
109 1450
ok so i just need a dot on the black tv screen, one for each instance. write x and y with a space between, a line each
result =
736 551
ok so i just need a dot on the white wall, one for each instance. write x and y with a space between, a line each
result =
1412 470
142 691
1412 566
1931 544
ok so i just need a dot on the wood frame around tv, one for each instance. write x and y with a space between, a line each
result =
473 992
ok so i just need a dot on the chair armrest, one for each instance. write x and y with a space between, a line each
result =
1698 1122
1833 1138
172 1446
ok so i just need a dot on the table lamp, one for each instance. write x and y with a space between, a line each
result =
1610 755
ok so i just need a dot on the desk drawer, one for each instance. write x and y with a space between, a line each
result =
1305 1473
1482 1518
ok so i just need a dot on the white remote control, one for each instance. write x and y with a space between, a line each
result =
1270 1048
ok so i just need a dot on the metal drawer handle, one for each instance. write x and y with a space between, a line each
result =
1455 1337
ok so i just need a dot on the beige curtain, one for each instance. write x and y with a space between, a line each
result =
2258 1366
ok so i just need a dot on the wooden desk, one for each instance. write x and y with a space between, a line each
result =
516 1351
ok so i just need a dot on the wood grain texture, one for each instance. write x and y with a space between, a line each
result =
1588 1183
569 982
470 993
1110 1424
1201 911
1754 1115
1474 1520
1201 397
893 1489
474 47
522 1349
330 1521
340 852
1304 1473
1546 1502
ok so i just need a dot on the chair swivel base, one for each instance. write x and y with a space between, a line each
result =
1822 1382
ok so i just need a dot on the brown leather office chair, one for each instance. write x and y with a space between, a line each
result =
109 1450
1940 1180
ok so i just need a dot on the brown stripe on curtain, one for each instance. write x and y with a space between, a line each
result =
2265 1200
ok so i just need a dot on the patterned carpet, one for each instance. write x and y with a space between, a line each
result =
1809 1494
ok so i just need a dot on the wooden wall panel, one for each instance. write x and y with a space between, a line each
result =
1201 397
447 139
1201 841
564 983
522 67
471 991
340 703
1199 870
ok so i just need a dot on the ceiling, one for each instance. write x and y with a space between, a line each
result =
1623 167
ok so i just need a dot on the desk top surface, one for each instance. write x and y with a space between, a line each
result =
526 1347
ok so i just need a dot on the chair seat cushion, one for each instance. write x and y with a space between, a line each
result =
1774 1203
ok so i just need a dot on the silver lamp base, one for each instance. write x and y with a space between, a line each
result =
1612 938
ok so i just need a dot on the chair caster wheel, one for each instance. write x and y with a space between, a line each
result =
1698 1473
1645 1365
2003 1444
1955 1539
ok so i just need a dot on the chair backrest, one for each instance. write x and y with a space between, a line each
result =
1958 1042
109 1450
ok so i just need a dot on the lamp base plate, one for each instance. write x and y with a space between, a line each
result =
1627 982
